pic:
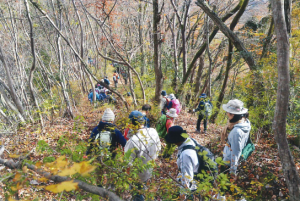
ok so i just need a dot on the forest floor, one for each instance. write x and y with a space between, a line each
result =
260 176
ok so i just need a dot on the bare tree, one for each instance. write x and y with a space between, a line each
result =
282 103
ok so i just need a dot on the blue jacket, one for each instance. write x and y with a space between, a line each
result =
106 81
170 105
91 96
117 137
202 104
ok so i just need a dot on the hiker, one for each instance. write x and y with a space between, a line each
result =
146 112
106 134
239 127
146 145
91 94
106 81
204 108
102 95
116 77
174 103
162 127
109 97
190 162
164 102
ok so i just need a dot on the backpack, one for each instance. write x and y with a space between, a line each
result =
114 78
176 105
103 139
161 126
167 102
207 109
248 149
206 162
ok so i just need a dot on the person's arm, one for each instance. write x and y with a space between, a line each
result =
120 138
94 132
199 107
236 150
186 175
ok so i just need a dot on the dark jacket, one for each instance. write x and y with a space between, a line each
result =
117 137
202 104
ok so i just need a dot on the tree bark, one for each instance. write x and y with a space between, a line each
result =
156 48
199 74
11 87
282 102
32 45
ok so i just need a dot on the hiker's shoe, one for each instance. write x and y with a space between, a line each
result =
197 131
204 132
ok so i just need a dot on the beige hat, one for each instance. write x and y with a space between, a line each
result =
235 106
172 113
108 115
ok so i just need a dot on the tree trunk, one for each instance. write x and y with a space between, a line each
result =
209 57
32 45
281 110
199 74
156 56
10 85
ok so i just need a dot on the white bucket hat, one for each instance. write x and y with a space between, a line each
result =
172 113
235 106
172 96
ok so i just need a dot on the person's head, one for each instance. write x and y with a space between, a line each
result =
172 113
146 108
91 90
115 71
128 94
172 96
203 96
137 118
235 110
108 116
106 91
163 93
175 135
105 77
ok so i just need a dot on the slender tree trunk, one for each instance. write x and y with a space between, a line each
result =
199 74
282 103
11 87
33 67
209 57
156 56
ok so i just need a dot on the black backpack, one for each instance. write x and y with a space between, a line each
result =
206 162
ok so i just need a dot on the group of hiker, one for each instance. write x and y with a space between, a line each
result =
102 94
145 141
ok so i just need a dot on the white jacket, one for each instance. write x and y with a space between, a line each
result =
147 144
237 140
163 102
188 164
